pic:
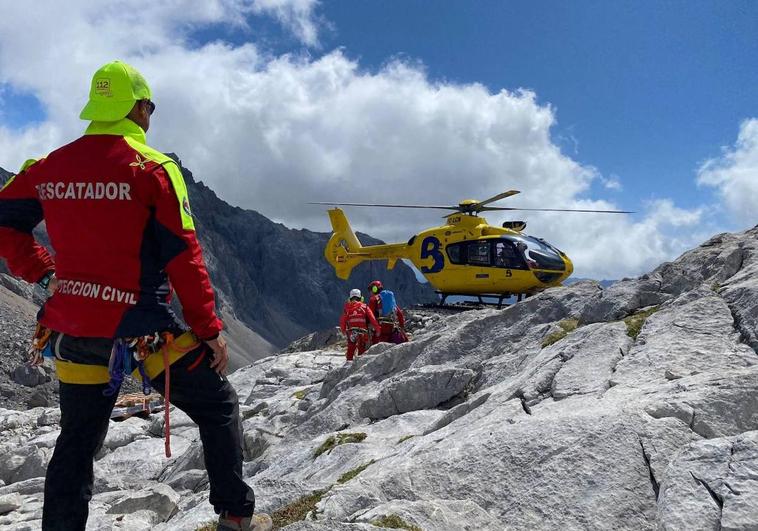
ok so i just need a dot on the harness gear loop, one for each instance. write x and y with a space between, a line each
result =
120 355
355 331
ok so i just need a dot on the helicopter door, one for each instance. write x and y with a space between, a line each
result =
478 255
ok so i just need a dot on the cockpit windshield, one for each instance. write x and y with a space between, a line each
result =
545 255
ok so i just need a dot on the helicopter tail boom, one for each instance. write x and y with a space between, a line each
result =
344 251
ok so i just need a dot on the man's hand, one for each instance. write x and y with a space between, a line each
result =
35 358
220 354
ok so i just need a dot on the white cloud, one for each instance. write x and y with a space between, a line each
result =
272 133
295 15
612 183
735 175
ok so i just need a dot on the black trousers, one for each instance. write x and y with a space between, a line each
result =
208 399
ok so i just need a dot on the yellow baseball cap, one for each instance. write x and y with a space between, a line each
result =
115 88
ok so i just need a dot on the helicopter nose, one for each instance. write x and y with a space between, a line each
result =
569 267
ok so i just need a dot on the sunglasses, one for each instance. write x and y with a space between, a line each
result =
150 106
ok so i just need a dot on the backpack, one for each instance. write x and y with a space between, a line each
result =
388 303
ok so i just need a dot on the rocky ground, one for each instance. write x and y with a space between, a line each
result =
21 386
628 407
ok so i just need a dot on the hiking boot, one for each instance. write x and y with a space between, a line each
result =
257 522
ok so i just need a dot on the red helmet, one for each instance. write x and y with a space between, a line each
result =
375 286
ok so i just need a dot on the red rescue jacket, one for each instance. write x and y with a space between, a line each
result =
120 225
357 315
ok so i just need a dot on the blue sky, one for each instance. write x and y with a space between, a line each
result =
636 105
645 91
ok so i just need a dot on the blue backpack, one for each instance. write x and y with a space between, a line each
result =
388 303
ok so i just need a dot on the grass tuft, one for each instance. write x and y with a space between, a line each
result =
342 438
208 527
405 438
297 510
300 394
393 521
350 474
566 326
635 322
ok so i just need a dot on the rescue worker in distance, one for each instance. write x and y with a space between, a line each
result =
119 220
354 323
391 318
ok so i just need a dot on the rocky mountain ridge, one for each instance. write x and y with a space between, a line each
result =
628 407
274 280
4 176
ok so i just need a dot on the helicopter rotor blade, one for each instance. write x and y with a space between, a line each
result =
498 197
439 207
561 210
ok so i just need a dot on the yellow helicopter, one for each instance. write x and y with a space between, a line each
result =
466 256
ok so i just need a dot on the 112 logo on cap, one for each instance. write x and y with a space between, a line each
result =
103 87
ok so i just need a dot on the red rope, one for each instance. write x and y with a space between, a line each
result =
168 342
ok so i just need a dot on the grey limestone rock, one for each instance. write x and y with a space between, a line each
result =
29 376
159 499
10 502
552 413
418 389
712 484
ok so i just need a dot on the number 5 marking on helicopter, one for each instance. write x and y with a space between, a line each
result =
430 248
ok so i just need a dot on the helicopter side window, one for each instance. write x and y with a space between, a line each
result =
479 253
505 255
454 253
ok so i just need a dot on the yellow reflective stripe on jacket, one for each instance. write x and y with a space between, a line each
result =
7 183
25 166
81 373
174 174
135 137
28 163
125 128
154 362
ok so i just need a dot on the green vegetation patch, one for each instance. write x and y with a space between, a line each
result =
393 521
405 438
300 394
635 322
297 510
350 474
566 326
342 438
208 527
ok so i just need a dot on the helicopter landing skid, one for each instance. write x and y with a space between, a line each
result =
501 297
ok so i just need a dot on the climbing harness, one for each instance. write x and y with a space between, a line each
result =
355 332
143 357
138 356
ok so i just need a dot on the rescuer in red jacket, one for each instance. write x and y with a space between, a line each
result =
391 320
354 323
119 220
